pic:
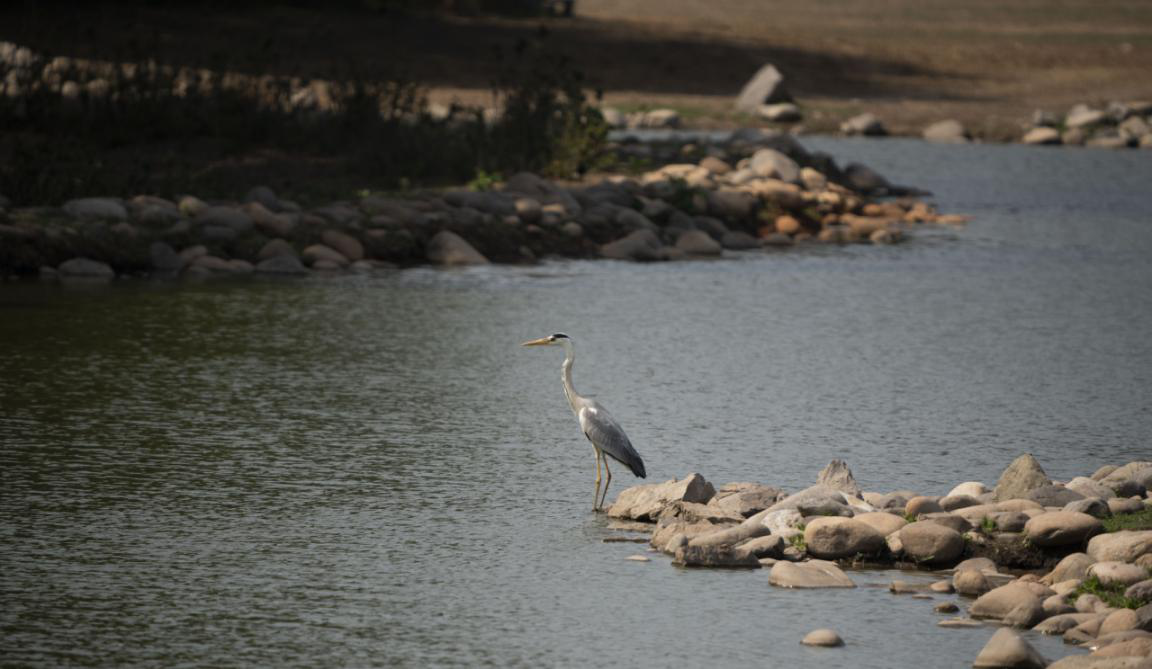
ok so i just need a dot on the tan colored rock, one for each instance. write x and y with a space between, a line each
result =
645 502
715 556
971 583
1074 566
1020 506
1141 647
769 546
883 522
1125 505
788 225
822 637
667 538
450 249
729 536
1059 624
811 574
999 602
346 244
969 488
931 543
694 512
835 537
1021 476
954 502
1057 605
317 252
922 504
1006 648
1062 528
1125 546
1113 573
1121 620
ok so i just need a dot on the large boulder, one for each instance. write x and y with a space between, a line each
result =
1093 506
1053 495
645 502
1006 648
1062 623
746 499
1112 573
1123 546
694 512
833 538
1021 477
318 252
1062 528
837 476
640 244
1074 566
999 602
346 244
698 243
811 574
449 248
931 543
883 522
815 501
715 555
1090 488
970 488
765 87
284 265
971 582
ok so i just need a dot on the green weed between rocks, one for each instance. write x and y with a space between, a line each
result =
88 128
1141 520
1112 595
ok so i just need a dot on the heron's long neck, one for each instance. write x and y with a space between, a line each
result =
569 390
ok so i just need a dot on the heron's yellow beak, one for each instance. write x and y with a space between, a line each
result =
543 341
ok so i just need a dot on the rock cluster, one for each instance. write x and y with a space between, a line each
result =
755 190
1117 125
808 537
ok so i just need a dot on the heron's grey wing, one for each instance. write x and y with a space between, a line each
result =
607 435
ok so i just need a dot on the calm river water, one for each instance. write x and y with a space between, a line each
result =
367 470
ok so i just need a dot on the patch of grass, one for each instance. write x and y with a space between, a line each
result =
1112 595
988 525
797 542
1141 520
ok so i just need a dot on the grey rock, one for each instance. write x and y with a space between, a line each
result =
1141 591
1053 495
697 243
448 248
716 556
1089 487
275 248
746 500
953 502
287 265
85 268
1112 573
1059 624
637 245
1022 476
1062 528
164 258
347 245
1093 507
931 543
971 582
645 502
811 574
739 241
226 217
838 476
318 252
865 180
1006 648
765 87
768 546
96 208
999 602
834 538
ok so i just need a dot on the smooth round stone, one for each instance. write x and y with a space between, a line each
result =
638 558
822 637
946 607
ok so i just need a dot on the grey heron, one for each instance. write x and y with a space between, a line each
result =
607 437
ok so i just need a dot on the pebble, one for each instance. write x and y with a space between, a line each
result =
822 637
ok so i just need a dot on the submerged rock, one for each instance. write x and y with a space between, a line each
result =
811 574
822 637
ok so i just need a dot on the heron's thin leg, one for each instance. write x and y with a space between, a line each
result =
596 494
604 496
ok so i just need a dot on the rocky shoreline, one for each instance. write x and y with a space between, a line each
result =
752 191
1028 553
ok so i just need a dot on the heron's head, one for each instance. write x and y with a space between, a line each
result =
550 340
